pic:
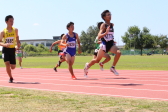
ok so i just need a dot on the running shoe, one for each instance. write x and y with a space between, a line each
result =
73 77
86 70
101 66
11 80
55 69
112 69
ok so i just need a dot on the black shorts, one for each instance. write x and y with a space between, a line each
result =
59 51
9 55
95 53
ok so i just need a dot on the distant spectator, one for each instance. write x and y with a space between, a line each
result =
153 52
164 51
24 54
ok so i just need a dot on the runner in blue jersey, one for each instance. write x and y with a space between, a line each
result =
71 38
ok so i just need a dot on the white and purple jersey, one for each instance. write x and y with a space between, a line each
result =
71 48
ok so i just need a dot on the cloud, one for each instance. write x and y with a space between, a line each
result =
35 24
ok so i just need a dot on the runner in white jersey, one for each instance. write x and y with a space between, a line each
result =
98 44
106 34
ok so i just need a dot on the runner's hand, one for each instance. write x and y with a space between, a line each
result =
67 44
79 51
6 45
108 28
50 50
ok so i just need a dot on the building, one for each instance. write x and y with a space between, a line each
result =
55 38
45 42
36 42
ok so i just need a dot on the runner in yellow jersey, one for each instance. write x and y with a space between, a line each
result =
9 39
60 52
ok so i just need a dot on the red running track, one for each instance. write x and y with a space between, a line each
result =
131 83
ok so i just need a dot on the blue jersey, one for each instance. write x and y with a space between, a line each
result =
71 48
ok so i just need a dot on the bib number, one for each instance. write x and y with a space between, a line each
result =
72 44
10 40
18 51
109 36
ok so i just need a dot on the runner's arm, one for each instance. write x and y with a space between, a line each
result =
17 38
1 37
56 42
101 34
64 39
78 41
97 41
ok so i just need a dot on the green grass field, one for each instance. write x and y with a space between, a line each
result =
156 62
18 100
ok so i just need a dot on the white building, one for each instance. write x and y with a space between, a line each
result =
36 42
45 42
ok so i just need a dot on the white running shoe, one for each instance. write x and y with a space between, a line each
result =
101 66
86 70
114 71
21 68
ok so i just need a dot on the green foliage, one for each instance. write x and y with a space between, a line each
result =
23 45
87 39
140 39
56 47
30 48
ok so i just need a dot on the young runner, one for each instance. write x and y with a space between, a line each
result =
10 38
70 51
60 52
98 45
106 34
19 56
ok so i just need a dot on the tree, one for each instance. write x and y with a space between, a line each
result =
41 48
144 39
136 38
163 41
30 47
23 45
87 39
56 47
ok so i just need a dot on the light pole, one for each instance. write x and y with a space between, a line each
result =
139 37
132 36
130 43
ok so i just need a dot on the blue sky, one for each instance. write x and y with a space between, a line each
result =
42 19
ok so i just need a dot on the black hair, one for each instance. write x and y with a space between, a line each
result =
62 35
69 24
103 14
8 17
99 24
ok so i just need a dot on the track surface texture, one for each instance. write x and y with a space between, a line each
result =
139 84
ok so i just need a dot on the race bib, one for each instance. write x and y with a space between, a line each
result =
19 51
10 40
72 44
109 36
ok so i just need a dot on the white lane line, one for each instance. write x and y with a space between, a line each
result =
90 93
104 87
116 78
